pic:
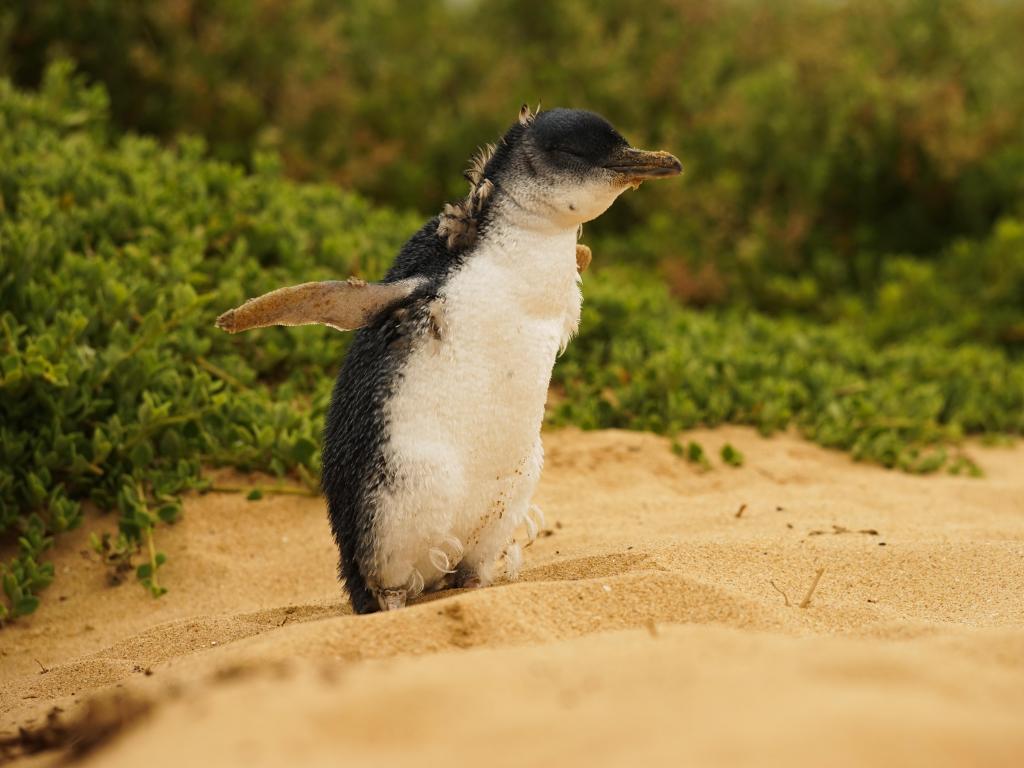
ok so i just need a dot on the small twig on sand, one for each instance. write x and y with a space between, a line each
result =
293 490
814 585
785 597
42 670
741 510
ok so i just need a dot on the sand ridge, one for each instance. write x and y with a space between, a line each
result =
649 624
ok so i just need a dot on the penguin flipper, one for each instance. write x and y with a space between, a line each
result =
342 304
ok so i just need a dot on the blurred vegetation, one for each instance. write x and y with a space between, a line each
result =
643 362
850 225
115 257
837 153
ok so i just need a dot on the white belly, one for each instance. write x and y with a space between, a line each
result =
467 410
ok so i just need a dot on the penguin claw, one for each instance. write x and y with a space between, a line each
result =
392 599
466 579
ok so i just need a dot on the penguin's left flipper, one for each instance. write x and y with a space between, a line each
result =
342 304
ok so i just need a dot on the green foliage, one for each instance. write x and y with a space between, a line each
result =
25 575
732 456
695 455
821 140
693 452
973 291
643 362
116 254
115 387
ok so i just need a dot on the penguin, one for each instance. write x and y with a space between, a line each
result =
432 442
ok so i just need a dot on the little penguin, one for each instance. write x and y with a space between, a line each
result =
432 446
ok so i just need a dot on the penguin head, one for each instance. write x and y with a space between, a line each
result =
555 169
571 164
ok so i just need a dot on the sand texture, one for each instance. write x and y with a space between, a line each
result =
650 627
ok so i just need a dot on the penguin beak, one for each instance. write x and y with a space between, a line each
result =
639 164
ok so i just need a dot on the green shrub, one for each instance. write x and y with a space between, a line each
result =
643 362
115 257
974 291
115 388
731 455
819 138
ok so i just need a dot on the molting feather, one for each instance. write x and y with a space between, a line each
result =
459 222
457 225
526 116
475 172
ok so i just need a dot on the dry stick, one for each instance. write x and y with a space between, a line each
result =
785 597
741 510
219 372
293 490
814 585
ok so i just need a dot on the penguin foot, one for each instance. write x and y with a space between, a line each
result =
513 560
534 521
465 578
471 581
392 599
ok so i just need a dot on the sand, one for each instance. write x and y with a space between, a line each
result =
645 628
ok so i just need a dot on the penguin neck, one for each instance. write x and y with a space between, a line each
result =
532 259
530 214
530 241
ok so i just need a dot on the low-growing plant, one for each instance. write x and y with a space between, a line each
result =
695 454
643 362
732 456
116 255
115 389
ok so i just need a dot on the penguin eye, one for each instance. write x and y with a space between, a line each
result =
568 153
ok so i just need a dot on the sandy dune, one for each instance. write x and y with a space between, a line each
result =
646 628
